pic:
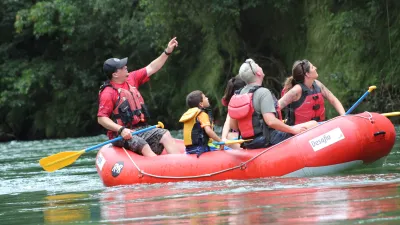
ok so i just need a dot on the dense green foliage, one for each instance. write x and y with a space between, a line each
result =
52 51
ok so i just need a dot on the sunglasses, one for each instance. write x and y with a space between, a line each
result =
249 62
302 63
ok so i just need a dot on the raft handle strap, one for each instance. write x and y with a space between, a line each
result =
379 133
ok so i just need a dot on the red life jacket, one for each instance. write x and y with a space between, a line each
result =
251 123
309 107
129 109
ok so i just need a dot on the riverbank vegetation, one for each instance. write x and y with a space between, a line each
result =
51 54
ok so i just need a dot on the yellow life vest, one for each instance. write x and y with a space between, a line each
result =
193 133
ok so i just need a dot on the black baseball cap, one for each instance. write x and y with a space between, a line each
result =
112 64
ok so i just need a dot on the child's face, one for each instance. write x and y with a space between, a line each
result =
205 102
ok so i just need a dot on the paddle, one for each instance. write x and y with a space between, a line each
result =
230 142
391 114
63 159
370 89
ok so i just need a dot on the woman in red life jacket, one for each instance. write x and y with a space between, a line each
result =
304 95
234 84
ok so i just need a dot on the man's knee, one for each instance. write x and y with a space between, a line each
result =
166 136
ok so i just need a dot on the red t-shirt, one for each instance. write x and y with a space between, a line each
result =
109 96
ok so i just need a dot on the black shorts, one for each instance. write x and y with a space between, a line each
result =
137 142
278 136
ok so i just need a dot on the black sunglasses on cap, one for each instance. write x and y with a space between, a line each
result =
249 62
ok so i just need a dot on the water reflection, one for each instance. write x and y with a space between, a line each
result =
75 195
242 205
66 208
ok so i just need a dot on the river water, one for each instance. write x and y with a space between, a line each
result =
75 194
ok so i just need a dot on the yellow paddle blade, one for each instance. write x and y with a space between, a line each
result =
59 160
391 114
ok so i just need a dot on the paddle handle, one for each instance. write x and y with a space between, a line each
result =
370 89
120 138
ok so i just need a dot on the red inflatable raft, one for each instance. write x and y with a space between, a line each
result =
339 144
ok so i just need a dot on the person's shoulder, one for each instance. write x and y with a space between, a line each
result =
139 72
319 83
296 88
263 90
138 77
107 92
262 93
203 114
203 118
107 89
245 89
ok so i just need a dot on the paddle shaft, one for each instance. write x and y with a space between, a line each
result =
119 138
63 159
370 89
230 142
391 114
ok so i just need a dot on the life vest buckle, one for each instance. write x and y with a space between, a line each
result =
317 118
316 107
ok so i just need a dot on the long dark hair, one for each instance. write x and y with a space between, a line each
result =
299 70
234 84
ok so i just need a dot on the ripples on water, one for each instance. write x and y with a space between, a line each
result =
75 195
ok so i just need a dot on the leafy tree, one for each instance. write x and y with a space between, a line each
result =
51 54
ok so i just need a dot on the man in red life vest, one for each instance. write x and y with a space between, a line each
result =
253 111
122 108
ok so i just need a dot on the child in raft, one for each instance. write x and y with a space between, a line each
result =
197 127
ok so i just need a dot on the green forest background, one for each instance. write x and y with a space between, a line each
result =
51 54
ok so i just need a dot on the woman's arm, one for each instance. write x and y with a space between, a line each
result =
233 124
331 98
292 95
226 128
